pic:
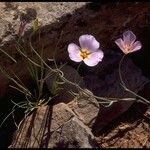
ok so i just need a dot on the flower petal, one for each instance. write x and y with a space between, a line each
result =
94 58
89 42
120 43
129 37
73 51
136 46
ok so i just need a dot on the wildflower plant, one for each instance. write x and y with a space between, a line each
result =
88 52
128 44
36 70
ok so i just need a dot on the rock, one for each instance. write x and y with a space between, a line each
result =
103 20
43 120
73 134
133 127
86 108
48 127
13 14
61 114
108 85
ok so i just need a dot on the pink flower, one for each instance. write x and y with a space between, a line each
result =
89 51
128 44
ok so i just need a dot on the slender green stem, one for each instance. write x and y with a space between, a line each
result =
124 86
79 66
13 110
12 79
136 94
120 63
8 55
23 54
41 82
19 80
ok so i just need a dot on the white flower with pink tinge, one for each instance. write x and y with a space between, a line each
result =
88 52
128 43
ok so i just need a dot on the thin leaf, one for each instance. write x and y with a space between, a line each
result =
8 55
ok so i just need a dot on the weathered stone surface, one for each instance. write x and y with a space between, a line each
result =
48 126
44 119
47 13
109 86
136 133
61 114
86 108
73 134
129 131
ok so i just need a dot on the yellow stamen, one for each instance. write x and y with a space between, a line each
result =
84 53
127 48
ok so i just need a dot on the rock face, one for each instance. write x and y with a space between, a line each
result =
74 19
86 108
11 17
73 134
61 24
131 130
56 126
109 85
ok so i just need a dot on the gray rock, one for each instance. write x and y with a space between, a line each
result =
73 134
47 127
110 87
86 108
13 12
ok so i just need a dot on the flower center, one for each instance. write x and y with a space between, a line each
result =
84 53
127 47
